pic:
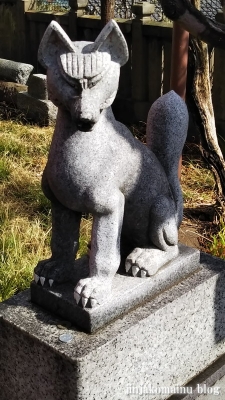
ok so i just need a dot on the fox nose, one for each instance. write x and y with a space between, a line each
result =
85 124
85 115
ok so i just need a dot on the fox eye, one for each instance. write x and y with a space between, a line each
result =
75 85
91 84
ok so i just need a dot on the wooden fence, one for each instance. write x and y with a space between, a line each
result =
143 79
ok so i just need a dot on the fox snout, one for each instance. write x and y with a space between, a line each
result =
85 124
85 121
85 112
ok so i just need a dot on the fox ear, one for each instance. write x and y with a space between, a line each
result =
111 40
54 38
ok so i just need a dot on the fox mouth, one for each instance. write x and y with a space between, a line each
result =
85 126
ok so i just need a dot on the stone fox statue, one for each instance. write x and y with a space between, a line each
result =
96 166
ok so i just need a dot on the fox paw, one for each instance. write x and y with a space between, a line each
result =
50 272
90 292
147 262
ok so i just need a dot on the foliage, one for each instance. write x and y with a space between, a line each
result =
217 245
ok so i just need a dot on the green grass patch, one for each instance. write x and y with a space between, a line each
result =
4 170
217 242
24 211
23 242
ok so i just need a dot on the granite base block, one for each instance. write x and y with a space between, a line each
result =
10 90
38 87
165 342
13 71
127 291
43 112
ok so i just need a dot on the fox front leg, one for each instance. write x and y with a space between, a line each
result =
104 257
64 246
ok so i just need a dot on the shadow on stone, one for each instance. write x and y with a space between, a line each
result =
220 308
217 265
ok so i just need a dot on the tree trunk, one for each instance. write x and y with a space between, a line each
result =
107 11
201 95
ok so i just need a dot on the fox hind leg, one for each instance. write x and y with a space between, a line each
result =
163 234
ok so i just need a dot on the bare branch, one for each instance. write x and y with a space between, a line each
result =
195 22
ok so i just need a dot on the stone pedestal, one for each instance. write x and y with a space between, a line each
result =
146 353
127 291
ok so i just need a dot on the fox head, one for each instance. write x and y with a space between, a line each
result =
83 77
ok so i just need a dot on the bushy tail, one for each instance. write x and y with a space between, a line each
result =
167 127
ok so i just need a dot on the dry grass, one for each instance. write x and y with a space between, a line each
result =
24 211
201 222
197 180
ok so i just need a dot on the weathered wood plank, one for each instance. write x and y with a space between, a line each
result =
154 69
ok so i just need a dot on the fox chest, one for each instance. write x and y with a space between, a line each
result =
77 168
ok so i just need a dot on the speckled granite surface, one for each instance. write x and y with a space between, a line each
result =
96 166
162 343
127 291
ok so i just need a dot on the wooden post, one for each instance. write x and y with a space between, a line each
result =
142 10
179 60
77 9
179 65
107 11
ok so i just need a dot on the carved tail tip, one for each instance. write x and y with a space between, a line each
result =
169 102
172 95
